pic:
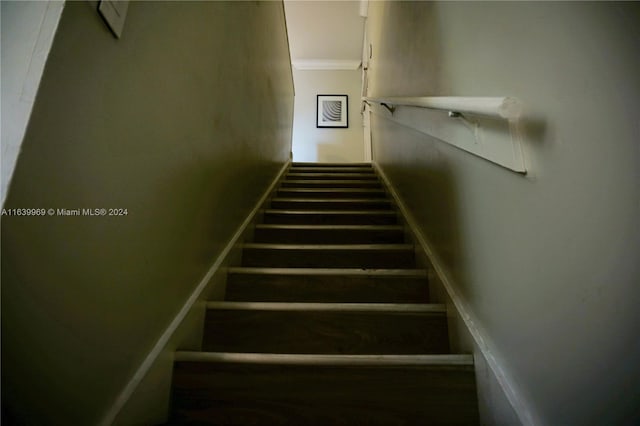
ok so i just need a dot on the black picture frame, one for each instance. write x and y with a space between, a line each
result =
332 111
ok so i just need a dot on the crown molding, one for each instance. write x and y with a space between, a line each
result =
326 64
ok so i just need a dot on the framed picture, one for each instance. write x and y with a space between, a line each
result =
114 13
332 111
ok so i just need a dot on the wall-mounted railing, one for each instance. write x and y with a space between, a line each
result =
504 107
485 126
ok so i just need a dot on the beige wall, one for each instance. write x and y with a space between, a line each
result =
183 121
333 145
547 263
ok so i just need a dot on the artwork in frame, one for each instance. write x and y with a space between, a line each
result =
332 111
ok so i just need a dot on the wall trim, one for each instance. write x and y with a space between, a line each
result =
157 349
519 404
326 64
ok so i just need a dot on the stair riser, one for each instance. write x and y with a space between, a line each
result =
324 166
337 170
332 176
306 258
328 193
330 205
325 332
330 219
330 184
326 288
328 236
206 393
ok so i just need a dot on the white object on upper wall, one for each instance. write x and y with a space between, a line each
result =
114 13
364 8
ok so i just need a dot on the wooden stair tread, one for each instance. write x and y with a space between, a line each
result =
321 204
331 184
334 200
381 256
325 328
434 360
335 233
332 212
268 389
424 308
331 200
332 192
358 169
323 247
322 165
362 182
330 217
335 170
327 227
333 175
355 184
331 271
329 181
338 190
328 285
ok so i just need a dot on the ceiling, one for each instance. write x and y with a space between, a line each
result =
324 31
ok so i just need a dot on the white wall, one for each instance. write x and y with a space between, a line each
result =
326 145
547 264
27 29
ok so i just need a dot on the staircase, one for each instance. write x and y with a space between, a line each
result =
327 321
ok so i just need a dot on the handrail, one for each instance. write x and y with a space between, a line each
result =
507 108
488 127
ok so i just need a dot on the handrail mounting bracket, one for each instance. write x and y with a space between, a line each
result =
391 108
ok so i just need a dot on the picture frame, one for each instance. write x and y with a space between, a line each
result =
114 13
332 111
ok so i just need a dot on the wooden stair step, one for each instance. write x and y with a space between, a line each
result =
330 217
327 321
379 256
331 193
325 328
329 234
330 204
331 169
317 183
266 389
329 165
327 285
332 176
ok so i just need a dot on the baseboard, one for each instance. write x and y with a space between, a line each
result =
154 367
519 405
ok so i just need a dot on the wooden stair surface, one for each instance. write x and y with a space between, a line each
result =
332 193
334 217
330 234
323 175
327 285
330 204
327 320
325 328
